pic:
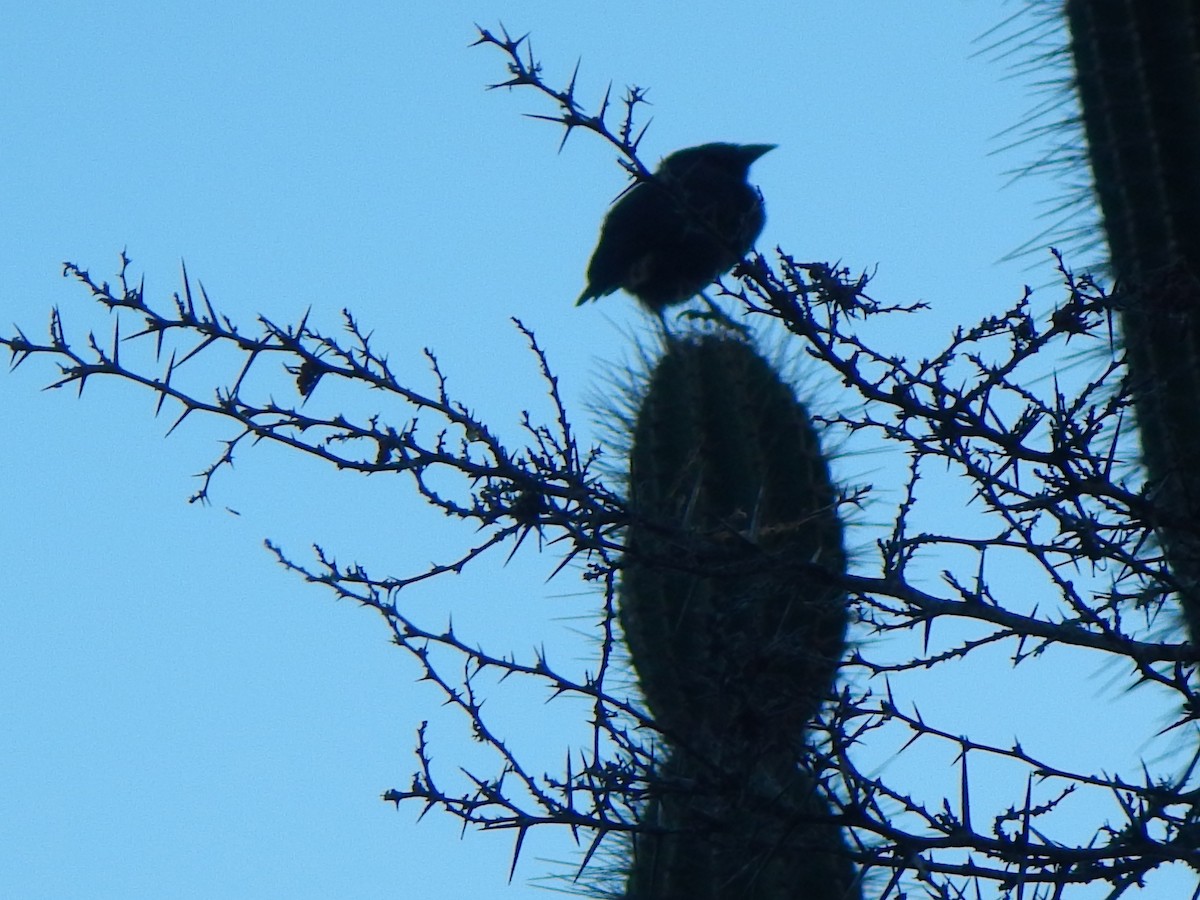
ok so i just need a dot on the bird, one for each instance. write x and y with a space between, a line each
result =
668 237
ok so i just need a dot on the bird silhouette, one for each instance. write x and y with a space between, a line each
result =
667 238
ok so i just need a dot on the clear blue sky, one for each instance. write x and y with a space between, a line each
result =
178 716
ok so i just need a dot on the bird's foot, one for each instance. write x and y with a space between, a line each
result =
715 314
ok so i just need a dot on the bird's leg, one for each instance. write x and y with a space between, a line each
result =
716 314
668 335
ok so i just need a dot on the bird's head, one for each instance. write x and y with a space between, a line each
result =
735 159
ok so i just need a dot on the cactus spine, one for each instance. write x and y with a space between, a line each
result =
735 618
1138 77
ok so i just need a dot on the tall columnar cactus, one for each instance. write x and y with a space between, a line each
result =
1137 69
735 616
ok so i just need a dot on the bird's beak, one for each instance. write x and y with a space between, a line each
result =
754 151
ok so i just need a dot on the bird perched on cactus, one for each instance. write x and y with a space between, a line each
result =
667 238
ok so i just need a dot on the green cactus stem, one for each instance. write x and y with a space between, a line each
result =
1138 77
734 612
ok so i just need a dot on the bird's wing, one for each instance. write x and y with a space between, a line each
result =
632 230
